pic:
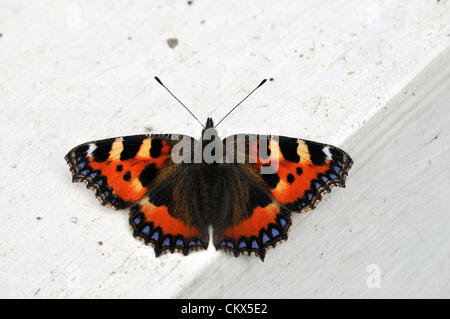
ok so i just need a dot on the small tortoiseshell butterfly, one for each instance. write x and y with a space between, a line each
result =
174 194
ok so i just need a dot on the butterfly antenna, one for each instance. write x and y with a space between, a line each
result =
260 84
159 81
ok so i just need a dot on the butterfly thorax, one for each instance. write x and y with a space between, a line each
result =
211 145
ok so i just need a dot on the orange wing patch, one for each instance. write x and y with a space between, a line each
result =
263 229
156 226
123 177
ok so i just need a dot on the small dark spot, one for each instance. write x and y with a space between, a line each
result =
1 35
130 38
38 218
119 168
100 243
290 178
190 2
299 171
172 42
202 22
271 79
148 129
127 176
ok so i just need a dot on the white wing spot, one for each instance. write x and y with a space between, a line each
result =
91 149
326 150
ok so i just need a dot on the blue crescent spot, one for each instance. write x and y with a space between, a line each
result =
332 176
265 238
106 193
79 158
180 242
155 235
199 243
317 185
275 232
81 165
137 220
230 244
146 230
324 178
85 172
191 243
339 163
166 242
242 244
309 196
222 244
255 244
283 222
336 168
93 174
100 182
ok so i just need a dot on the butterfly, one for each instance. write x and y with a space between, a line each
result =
245 186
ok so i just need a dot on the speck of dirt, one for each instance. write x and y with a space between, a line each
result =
172 42
148 129
190 3
130 38
74 220
38 218
1 35
100 243
271 79
202 22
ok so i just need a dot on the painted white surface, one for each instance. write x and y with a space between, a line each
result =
74 71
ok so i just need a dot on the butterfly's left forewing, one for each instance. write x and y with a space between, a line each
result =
120 170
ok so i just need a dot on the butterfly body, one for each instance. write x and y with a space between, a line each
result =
245 187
